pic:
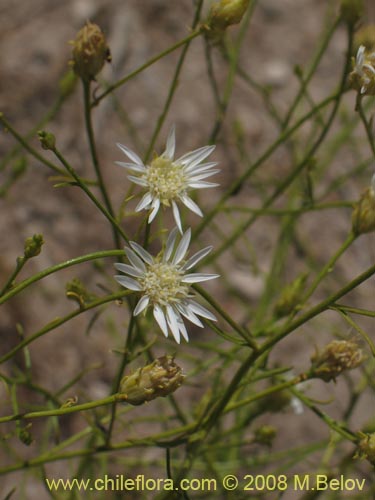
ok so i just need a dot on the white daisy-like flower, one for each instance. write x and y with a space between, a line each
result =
164 283
168 181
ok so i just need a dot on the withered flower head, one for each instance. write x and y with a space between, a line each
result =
158 379
336 357
90 52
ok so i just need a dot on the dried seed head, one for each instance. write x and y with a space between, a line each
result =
365 36
336 357
90 52
158 379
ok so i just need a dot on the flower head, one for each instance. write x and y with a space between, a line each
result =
168 181
362 77
158 379
164 283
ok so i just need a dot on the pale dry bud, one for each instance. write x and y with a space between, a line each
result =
158 379
90 52
336 357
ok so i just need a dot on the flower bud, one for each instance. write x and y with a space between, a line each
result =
90 52
290 297
265 435
224 14
158 379
351 10
33 246
47 140
366 448
75 290
336 357
363 216
365 36
25 435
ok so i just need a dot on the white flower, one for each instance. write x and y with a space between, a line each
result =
168 181
164 283
364 69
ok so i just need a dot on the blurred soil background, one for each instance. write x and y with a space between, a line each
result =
34 56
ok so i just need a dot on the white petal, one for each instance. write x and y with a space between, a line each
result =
182 247
176 215
144 203
202 184
130 154
169 246
181 325
200 310
155 208
132 166
132 271
196 156
188 202
185 311
160 318
135 260
173 324
141 306
138 180
194 259
171 143
204 175
142 252
200 168
128 283
198 277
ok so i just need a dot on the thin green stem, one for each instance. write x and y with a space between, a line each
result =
329 266
246 335
174 84
310 72
21 261
60 321
93 198
62 411
95 159
58 267
27 146
144 66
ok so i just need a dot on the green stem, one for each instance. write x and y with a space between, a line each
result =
62 411
63 265
93 198
21 261
150 62
173 86
27 146
237 328
310 72
60 321
329 266
292 176
266 346
95 160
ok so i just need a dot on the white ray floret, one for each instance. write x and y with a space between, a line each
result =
164 283
168 181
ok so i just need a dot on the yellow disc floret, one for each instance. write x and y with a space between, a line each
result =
166 180
162 283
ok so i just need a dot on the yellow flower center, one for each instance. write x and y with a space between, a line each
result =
166 179
162 283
